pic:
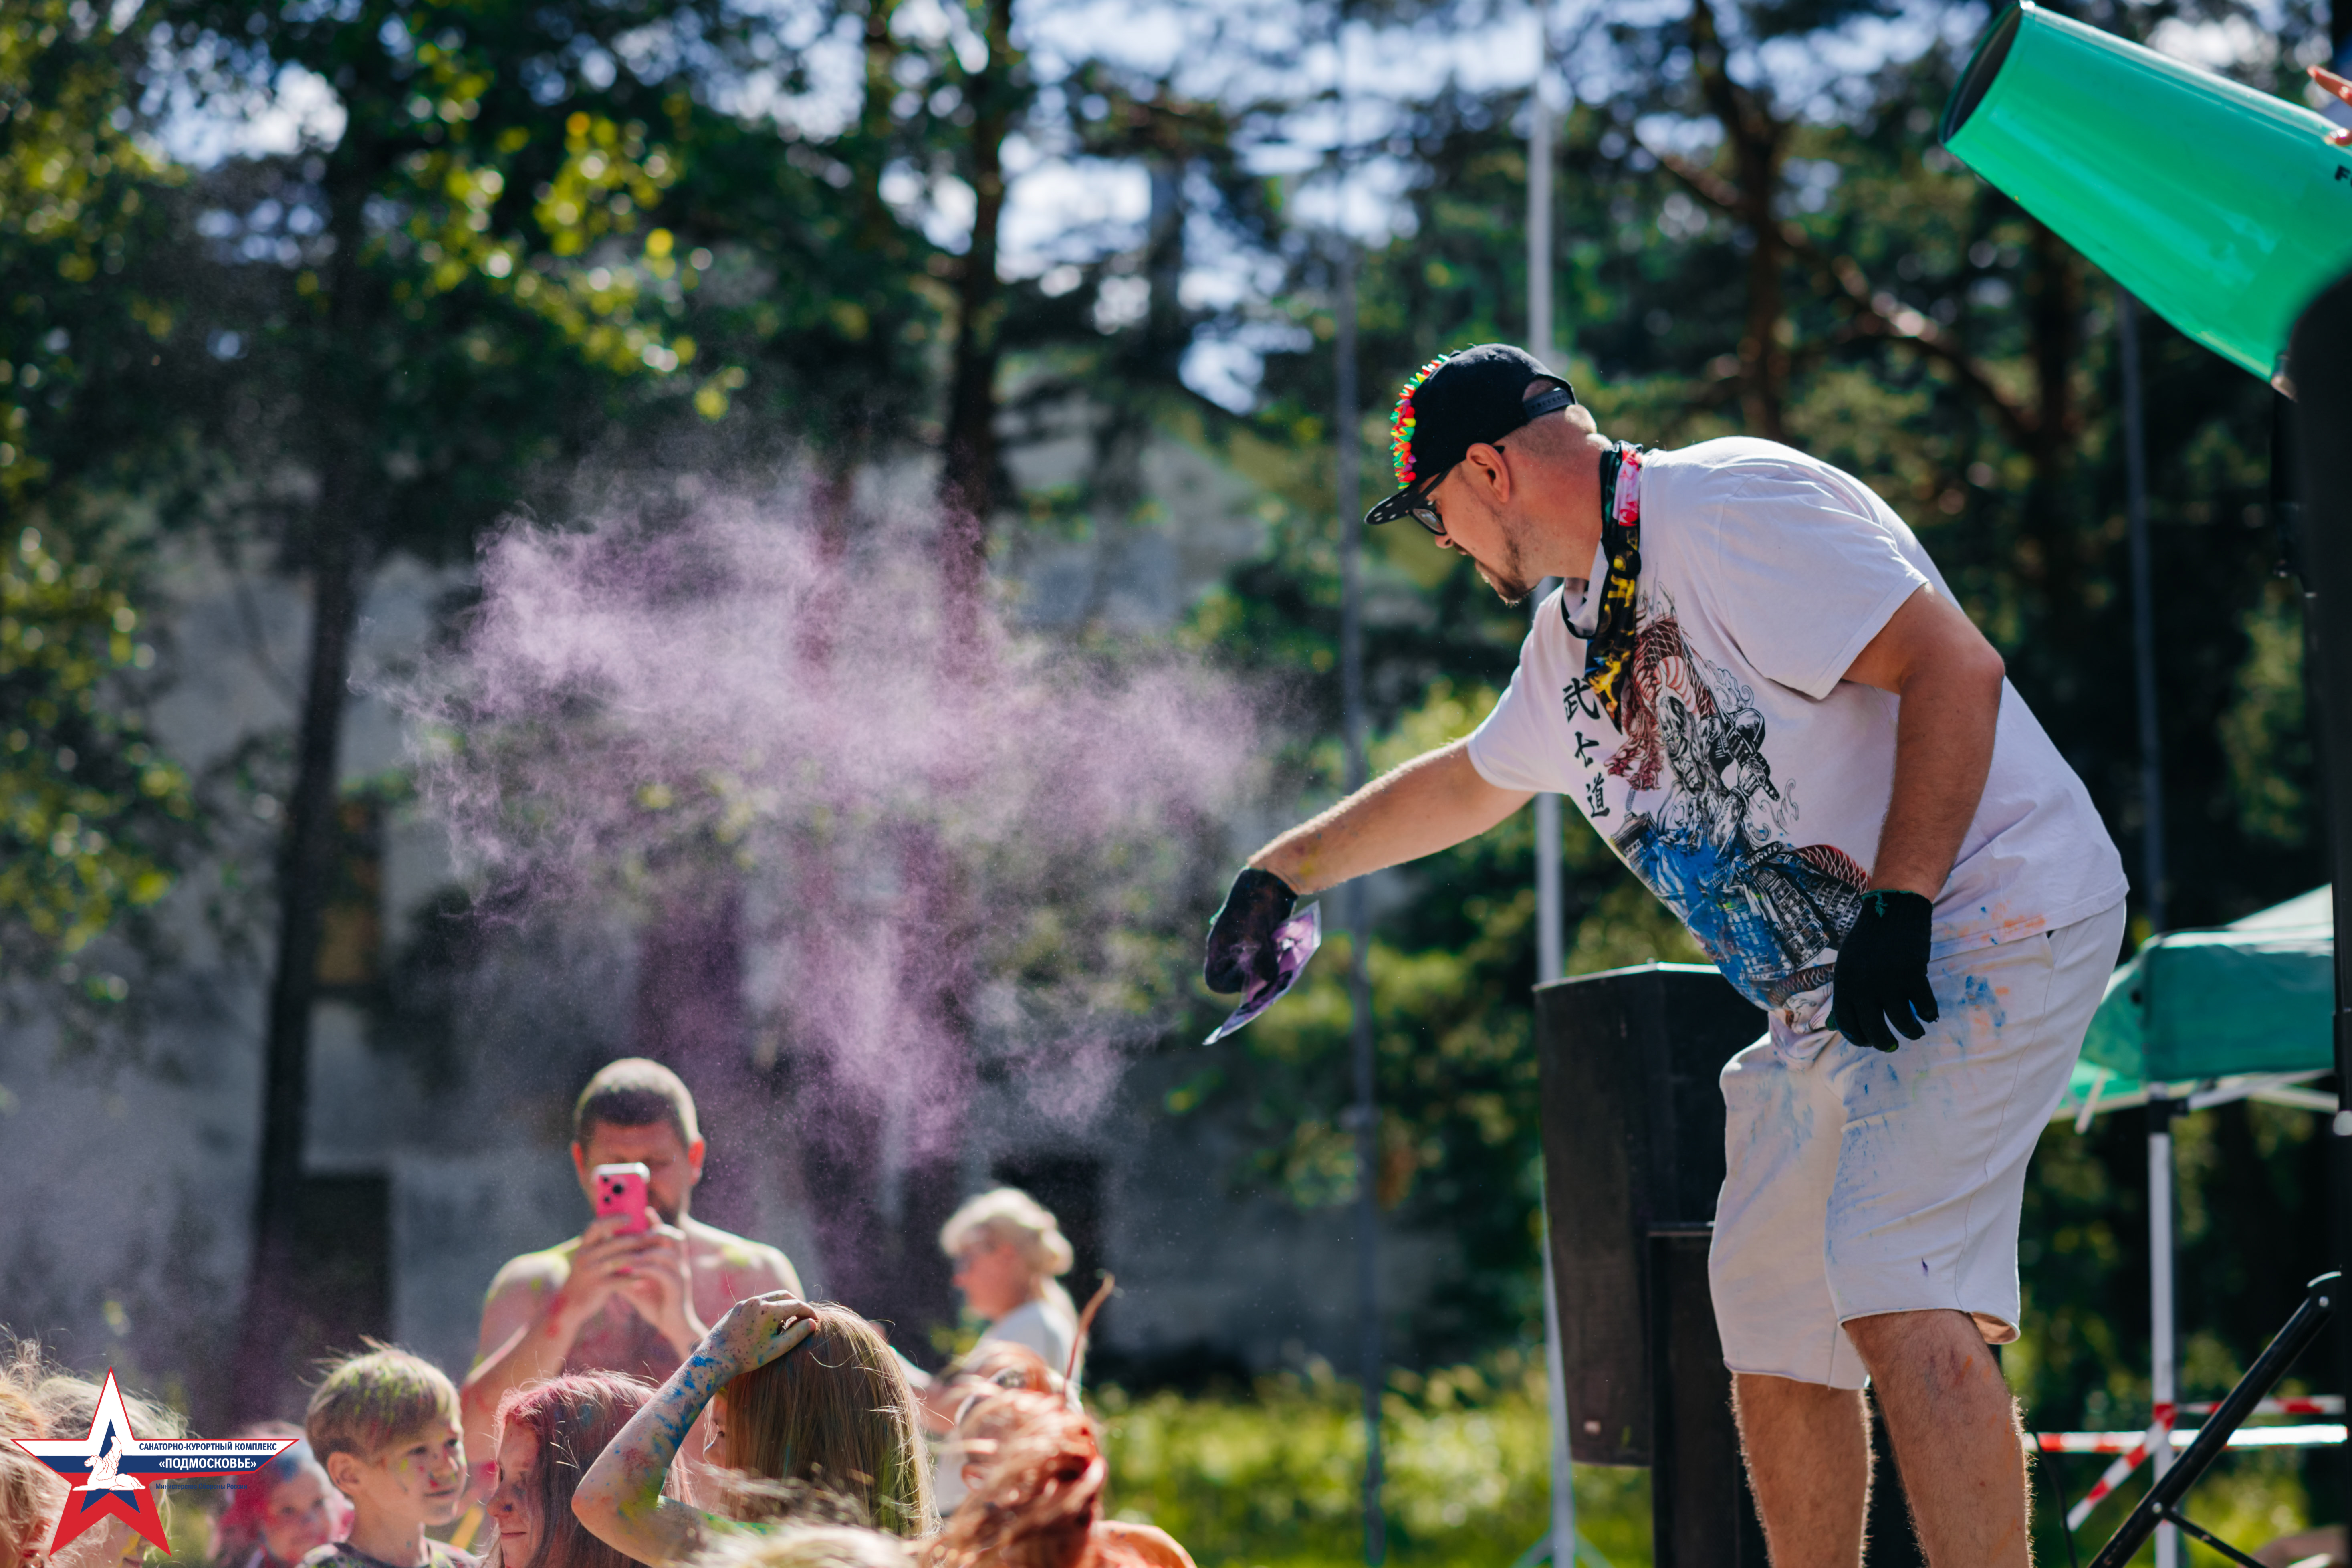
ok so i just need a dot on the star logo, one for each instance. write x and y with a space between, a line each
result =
114 1474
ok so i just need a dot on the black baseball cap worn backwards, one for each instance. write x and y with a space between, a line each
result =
1452 403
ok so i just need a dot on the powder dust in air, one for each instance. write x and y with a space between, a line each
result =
936 837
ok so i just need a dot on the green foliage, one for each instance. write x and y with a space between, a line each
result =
90 814
1273 1478
76 205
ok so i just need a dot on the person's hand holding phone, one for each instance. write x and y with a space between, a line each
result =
657 1280
600 1265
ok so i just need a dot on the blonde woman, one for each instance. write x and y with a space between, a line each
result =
1008 1249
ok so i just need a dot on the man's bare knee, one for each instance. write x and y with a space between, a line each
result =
1939 1352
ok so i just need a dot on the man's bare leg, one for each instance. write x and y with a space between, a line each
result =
1807 1449
1957 1438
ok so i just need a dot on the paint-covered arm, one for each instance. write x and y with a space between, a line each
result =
620 1500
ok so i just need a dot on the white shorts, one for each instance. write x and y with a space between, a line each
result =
1862 1182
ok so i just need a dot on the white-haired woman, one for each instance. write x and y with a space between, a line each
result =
1007 1248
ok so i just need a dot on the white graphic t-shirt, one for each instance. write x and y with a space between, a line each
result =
1706 734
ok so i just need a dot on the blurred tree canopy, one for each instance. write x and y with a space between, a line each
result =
524 240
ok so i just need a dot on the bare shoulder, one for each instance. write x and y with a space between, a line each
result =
751 1268
533 1272
1139 1545
518 1291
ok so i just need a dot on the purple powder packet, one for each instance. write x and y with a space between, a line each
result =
1295 942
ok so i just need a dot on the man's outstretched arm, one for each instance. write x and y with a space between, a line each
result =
1432 803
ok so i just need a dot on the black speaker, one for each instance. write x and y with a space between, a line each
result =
1633 1135
1701 1513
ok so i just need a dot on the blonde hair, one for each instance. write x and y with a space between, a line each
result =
370 1401
29 1491
836 1413
810 1546
1012 1217
41 1399
64 1404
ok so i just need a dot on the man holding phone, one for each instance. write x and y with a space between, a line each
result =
624 1295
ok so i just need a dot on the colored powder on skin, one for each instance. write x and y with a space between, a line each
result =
931 850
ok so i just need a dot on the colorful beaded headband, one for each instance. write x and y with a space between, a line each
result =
1401 422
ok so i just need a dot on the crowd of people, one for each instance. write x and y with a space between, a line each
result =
658 1392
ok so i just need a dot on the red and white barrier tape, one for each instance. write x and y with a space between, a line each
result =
2314 1404
2132 1447
2311 1435
2114 1477
2116 1473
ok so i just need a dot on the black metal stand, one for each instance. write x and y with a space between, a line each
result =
2162 1503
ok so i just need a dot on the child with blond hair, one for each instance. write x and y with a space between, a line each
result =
29 1491
385 1423
40 1399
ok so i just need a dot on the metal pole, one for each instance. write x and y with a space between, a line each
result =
2160 1304
1550 929
2151 758
1366 1111
1551 932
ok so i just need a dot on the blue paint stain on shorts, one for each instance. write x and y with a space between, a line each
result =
1978 992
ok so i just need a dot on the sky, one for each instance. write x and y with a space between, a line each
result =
1063 208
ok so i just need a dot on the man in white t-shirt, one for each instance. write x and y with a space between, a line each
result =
1757 689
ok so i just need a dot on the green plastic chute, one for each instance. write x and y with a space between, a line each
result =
2223 207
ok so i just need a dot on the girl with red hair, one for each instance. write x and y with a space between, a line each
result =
548 1433
1037 1476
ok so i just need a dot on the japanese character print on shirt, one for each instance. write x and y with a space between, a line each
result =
1701 819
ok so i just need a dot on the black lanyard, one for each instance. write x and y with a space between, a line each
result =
1609 650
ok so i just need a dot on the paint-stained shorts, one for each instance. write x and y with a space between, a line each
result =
1863 1183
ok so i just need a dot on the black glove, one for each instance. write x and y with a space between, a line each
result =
1882 972
1240 939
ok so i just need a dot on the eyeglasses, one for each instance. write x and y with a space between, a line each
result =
1420 506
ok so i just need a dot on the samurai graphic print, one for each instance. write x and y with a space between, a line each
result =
1689 698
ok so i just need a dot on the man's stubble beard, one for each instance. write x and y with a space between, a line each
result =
1507 579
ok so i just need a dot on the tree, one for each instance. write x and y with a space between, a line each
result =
434 284
95 823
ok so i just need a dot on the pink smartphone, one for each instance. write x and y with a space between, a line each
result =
621 1190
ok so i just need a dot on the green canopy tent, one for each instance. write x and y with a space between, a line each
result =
2199 1019
2204 1016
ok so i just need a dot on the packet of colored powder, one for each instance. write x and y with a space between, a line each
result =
1295 942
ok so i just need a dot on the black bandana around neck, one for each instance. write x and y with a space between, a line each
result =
1609 645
